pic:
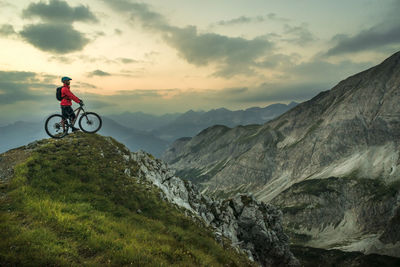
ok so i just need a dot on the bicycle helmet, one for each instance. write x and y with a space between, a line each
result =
64 79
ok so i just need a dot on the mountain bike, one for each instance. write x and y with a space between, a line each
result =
57 125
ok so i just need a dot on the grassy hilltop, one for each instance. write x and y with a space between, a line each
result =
70 202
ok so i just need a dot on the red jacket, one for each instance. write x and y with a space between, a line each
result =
67 96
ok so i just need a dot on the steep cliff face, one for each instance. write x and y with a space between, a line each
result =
86 199
354 128
348 213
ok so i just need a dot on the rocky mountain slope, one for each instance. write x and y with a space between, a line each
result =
350 132
87 200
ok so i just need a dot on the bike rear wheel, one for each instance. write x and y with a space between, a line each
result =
56 126
90 122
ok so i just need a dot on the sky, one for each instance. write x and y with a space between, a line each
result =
171 56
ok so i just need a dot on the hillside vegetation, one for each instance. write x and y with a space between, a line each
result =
70 202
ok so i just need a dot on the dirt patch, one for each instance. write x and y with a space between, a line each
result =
9 159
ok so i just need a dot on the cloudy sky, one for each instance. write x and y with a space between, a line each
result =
161 56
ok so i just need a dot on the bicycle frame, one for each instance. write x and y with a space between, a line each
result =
77 114
76 117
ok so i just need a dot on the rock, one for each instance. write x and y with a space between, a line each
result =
251 226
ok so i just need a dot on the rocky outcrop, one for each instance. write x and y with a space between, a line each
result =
326 212
252 226
354 128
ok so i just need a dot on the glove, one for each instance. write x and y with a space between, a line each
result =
81 102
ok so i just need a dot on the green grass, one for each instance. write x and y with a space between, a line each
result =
70 205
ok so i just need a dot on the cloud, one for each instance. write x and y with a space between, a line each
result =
16 76
246 20
125 60
140 12
298 34
59 12
302 82
6 30
16 86
62 59
374 38
98 73
320 70
84 85
56 34
4 4
98 104
276 61
275 92
232 55
55 38
234 91
241 20
273 16
378 37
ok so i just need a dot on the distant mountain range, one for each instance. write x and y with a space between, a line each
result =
20 133
143 121
331 163
191 123
140 131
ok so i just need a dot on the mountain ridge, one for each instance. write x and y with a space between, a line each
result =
192 122
352 128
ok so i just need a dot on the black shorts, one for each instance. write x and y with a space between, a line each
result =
68 112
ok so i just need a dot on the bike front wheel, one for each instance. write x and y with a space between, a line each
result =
56 126
90 122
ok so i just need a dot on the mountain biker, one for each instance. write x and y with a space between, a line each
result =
66 103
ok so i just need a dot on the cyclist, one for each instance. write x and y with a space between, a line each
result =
66 103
